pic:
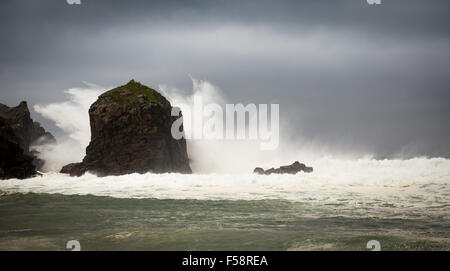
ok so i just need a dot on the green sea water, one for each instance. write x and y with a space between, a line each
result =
31 221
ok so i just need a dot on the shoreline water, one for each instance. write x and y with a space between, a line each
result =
48 221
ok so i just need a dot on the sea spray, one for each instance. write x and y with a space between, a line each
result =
427 178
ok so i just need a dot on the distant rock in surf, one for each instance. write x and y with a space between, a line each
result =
28 133
295 168
131 133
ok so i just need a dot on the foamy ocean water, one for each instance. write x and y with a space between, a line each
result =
404 204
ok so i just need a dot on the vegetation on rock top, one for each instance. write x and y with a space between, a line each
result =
135 92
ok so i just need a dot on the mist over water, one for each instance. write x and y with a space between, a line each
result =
212 155
206 155
420 177
72 118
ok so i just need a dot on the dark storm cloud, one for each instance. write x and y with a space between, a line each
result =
373 78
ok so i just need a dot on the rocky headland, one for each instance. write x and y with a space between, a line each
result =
18 136
28 132
14 163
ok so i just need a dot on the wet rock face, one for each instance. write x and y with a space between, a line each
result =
13 162
18 118
27 132
40 136
131 133
295 168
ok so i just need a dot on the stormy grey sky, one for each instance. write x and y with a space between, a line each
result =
347 75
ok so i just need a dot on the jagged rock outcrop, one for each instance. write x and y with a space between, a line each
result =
295 168
40 136
28 132
14 163
131 133
18 118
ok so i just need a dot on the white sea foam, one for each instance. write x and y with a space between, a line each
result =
418 181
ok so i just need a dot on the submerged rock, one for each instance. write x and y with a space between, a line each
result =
295 168
259 170
131 133
14 163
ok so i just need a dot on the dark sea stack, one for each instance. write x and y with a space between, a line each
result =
295 168
13 162
18 118
28 132
131 133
